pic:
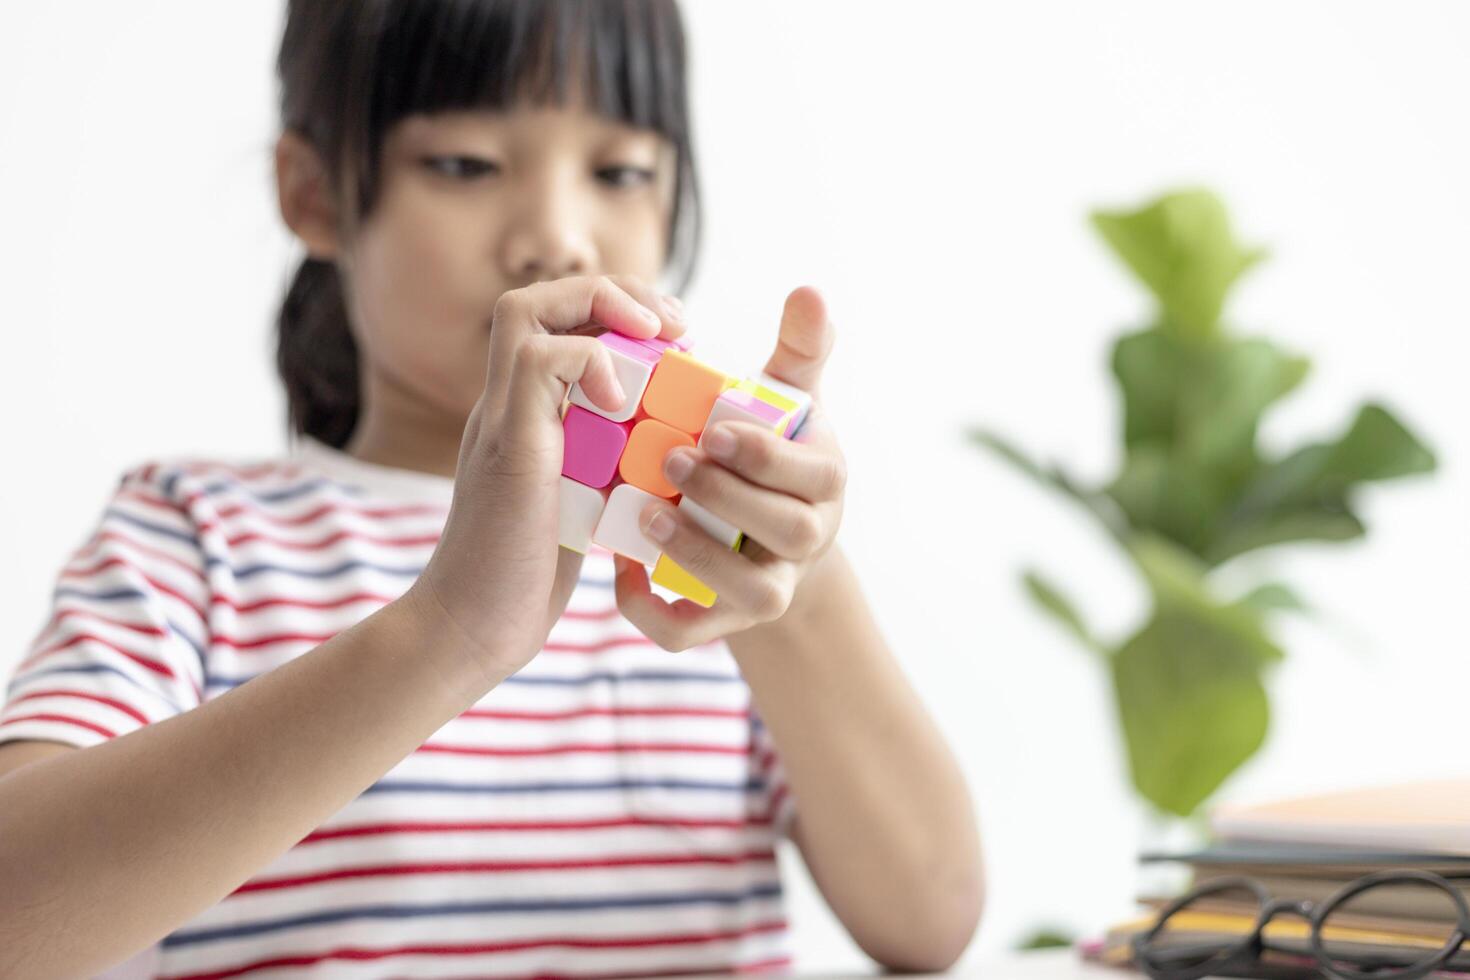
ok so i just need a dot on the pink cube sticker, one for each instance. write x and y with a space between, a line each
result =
592 446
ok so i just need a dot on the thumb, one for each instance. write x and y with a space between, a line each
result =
804 342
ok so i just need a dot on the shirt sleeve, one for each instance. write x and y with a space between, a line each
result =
768 771
124 643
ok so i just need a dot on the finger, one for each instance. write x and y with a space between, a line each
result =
543 368
669 307
762 589
558 306
803 342
810 467
787 525
678 625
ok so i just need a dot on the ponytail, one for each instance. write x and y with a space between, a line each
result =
317 356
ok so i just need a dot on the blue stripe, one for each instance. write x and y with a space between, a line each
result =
137 596
192 936
248 571
276 496
753 785
30 675
170 483
216 680
111 596
165 531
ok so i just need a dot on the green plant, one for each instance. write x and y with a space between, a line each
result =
1193 491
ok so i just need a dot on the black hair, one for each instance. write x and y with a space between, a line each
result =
350 69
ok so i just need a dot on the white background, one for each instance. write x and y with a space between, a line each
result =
929 166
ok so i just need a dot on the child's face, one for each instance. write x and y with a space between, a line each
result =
473 204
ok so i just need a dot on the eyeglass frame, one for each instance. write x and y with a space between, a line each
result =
1315 913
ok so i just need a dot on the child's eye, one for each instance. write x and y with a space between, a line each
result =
461 167
625 176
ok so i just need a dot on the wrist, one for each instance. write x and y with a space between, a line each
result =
466 668
808 618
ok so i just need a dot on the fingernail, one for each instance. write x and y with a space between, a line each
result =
661 527
718 442
675 307
650 316
678 466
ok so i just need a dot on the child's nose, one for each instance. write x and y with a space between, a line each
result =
547 242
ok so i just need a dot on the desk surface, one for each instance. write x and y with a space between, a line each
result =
1054 964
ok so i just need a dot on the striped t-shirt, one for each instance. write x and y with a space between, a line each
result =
612 809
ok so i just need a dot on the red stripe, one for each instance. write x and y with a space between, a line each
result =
583 747
504 867
477 949
316 513
417 541
247 471
526 826
373 597
64 612
261 642
126 709
776 798
64 719
162 556
390 511
662 712
157 666
594 614
381 600
84 573
638 640
174 507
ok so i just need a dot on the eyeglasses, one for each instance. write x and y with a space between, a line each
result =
1181 953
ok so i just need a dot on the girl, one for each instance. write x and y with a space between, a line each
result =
352 711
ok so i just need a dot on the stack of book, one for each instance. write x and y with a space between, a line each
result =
1307 849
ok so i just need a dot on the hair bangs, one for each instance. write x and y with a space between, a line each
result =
622 59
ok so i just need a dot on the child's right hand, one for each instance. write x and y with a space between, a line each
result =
498 574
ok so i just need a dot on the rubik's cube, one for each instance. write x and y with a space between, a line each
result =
612 463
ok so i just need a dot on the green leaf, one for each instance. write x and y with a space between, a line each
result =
1181 246
1317 523
1047 938
1223 406
1305 496
1150 369
1191 411
1096 503
1272 597
1049 598
1167 495
1377 447
1178 582
1192 706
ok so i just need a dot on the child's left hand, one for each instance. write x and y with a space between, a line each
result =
786 494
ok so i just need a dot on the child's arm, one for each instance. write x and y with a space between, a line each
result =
883 817
883 820
106 849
